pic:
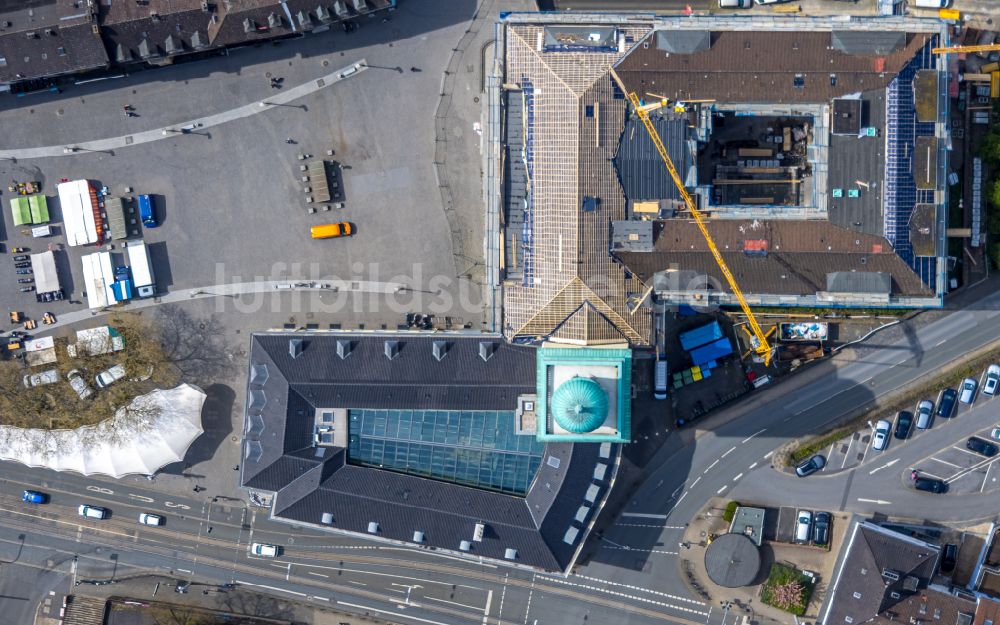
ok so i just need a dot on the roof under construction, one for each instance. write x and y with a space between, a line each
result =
578 272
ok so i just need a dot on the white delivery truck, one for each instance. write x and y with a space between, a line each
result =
142 269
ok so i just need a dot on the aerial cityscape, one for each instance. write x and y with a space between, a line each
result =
487 312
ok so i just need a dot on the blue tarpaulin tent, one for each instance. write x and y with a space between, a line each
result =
712 351
701 336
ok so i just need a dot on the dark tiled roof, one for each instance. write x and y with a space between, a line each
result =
149 38
930 606
640 169
877 564
51 51
760 66
800 255
308 485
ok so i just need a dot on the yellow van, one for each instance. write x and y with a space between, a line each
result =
329 231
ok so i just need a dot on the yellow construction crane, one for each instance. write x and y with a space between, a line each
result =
758 339
984 48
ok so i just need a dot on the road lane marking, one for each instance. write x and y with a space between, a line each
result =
751 467
412 579
643 515
277 588
850 443
710 467
768 454
754 434
950 464
985 475
320 598
639 588
737 477
486 610
698 479
972 453
98 489
724 487
461 605
141 498
556 580
880 502
681 498
731 450
317 574
964 472
395 614
884 466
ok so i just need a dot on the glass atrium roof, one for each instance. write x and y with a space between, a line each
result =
476 447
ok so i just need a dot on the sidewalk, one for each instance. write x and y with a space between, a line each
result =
746 602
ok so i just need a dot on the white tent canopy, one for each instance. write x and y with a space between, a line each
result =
155 430
44 267
77 207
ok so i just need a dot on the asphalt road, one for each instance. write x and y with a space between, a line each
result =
733 460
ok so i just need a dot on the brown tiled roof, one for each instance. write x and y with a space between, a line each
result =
927 606
125 37
987 610
800 255
746 66
52 51
126 11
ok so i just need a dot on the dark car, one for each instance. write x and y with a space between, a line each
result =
930 485
22 271
821 528
25 280
982 447
904 421
949 555
33 496
810 466
22 265
946 402
21 257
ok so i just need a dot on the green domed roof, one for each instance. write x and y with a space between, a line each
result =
580 405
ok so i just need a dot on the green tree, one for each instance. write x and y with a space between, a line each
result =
989 149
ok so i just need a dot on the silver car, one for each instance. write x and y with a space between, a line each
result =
881 438
925 414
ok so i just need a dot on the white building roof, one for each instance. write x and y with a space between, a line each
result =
77 212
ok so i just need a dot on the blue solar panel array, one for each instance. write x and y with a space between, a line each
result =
477 447
528 231
901 194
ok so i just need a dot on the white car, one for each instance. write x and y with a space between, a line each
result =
803 527
995 434
147 518
967 394
79 384
265 550
38 379
92 512
112 375
991 379
881 438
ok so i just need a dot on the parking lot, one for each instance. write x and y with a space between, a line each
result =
937 452
230 198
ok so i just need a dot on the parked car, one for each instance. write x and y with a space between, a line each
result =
968 394
880 440
43 377
79 384
810 466
147 518
27 289
949 556
930 485
821 528
981 446
735 4
946 403
25 280
22 265
904 421
803 526
991 379
995 434
23 272
21 257
33 496
92 512
112 375
265 550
